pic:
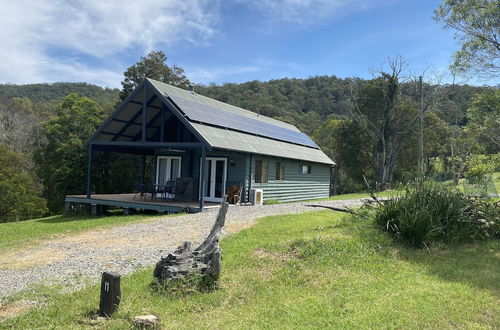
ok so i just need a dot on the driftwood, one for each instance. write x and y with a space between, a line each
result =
205 259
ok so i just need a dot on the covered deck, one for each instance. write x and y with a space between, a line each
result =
148 123
131 201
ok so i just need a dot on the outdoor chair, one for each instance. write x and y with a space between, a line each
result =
144 188
166 191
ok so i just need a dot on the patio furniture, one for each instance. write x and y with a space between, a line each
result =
167 191
144 188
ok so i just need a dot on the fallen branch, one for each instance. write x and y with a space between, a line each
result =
347 210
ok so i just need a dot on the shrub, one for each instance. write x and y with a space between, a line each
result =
429 212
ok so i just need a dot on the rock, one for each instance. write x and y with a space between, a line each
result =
146 322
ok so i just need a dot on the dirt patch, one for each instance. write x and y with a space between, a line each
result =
14 308
26 259
233 228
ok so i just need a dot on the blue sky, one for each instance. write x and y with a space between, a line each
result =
220 41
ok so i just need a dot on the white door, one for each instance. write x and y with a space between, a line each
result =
215 175
168 168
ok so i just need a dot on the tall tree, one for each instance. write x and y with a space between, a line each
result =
154 66
388 119
345 142
62 162
478 28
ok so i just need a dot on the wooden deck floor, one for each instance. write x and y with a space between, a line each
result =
128 201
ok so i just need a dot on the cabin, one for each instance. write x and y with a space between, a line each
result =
208 149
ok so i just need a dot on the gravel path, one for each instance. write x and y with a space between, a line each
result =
78 259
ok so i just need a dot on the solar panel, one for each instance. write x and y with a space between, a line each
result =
210 115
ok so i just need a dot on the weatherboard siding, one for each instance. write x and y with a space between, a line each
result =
295 186
241 171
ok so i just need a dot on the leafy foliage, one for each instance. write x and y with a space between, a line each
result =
154 66
19 196
62 162
428 213
477 23
484 112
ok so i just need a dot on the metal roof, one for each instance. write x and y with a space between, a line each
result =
232 140
126 122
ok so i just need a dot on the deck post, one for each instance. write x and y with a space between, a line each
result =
203 178
162 126
144 112
143 173
89 171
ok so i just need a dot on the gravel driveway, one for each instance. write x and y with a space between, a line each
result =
79 259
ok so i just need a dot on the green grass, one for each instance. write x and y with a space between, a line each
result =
312 270
386 193
22 233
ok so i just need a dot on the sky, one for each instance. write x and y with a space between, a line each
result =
218 41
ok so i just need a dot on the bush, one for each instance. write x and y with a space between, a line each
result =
430 212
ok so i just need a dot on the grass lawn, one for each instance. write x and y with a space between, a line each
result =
385 193
22 233
311 270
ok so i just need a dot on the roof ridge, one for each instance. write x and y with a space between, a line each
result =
217 101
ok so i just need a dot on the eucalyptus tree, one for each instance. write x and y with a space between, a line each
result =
154 66
477 23
388 118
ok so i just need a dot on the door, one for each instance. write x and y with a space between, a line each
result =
215 174
168 168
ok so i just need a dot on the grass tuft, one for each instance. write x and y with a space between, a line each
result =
427 213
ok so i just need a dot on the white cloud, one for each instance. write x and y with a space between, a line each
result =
33 31
308 12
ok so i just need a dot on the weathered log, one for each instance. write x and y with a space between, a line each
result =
205 259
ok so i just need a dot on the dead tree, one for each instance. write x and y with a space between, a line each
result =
204 260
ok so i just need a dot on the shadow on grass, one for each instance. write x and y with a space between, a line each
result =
476 264
79 217
65 218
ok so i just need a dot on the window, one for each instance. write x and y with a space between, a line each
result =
280 171
261 167
305 169
168 168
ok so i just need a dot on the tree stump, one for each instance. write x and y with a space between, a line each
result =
205 259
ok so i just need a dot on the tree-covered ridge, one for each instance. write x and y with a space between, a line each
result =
53 93
306 103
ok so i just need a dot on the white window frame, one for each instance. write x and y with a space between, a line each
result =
211 185
169 167
308 169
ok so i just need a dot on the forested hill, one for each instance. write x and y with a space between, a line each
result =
305 103
55 92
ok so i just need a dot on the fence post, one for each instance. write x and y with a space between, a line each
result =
110 293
